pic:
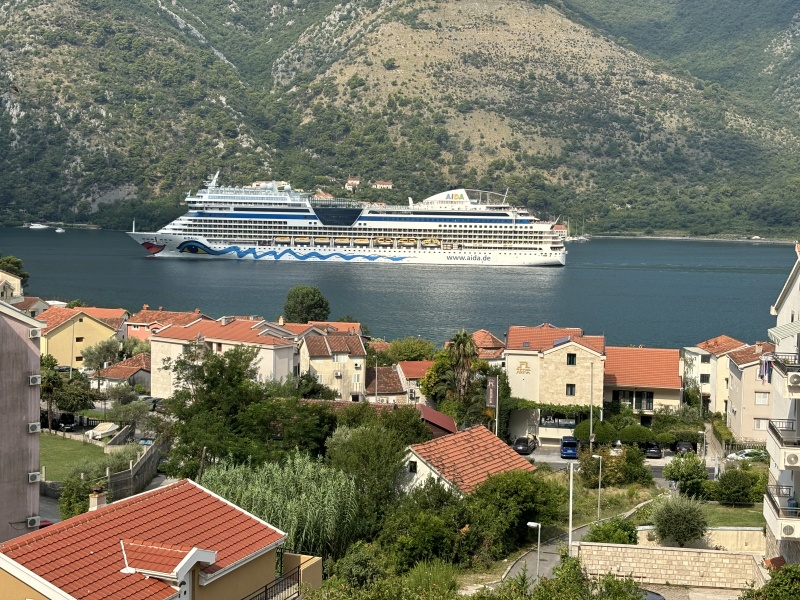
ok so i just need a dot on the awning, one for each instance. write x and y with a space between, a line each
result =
776 334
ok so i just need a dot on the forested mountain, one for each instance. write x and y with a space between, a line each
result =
633 115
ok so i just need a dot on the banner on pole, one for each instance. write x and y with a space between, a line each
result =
491 391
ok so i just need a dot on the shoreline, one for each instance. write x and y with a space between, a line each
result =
678 238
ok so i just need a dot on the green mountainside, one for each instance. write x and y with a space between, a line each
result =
670 116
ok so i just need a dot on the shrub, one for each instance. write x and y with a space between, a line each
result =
636 434
634 469
432 576
359 567
734 487
425 537
604 432
613 531
666 439
690 473
784 585
679 520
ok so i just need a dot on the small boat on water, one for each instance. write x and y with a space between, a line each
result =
60 230
38 226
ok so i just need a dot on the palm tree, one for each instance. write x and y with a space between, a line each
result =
462 351
51 382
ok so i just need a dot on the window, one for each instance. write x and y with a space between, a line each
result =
356 378
412 466
570 389
762 398
78 359
705 378
572 359
78 339
135 327
706 358
760 424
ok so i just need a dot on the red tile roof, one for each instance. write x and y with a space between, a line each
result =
243 332
337 328
415 369
156 558
114 317
388 381
751 354
468 458
720 345
27 302
489 346
541 338
165 317
83 556
55 316
441 420
379 345
127 368
642 367
328 345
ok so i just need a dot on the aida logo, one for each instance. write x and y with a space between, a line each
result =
452 196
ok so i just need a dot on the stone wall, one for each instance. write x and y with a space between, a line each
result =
673 566
732 539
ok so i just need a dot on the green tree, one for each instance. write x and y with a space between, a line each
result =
132 346
678 520
74 395
131 413
122 394
51 383
636 434
740 485
305 303
570 582
612 531
783 585
96 357
689 471
405 421
77 303
462 352
438 384
411 348
13 266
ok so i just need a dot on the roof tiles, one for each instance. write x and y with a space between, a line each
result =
720 345
245 332
542 337
650 367
127 368
468 458
751 354
415 369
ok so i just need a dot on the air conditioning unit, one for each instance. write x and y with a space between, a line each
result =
337 374
34 427
34 477
34 380
106 364
794 378
788 530
792 459
358 365
34 333
32 522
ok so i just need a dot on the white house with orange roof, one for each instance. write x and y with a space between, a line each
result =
352 183
411 373
461 461
490 347
132 371
274 361
152 547
642 379
338 327
384 386
69 331
382 185
30 305
706 366
337 361
750 397
148 321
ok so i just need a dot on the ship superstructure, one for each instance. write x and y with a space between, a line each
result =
270 221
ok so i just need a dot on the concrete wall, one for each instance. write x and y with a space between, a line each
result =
310 569
14 589
742 407
732 539
63 342
353 370
239 583
673 566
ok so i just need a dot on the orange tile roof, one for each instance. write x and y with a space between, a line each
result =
415 369
55 316
127 368
751 354
485 339
295 328
541 338
388 381
165 317
379 345
244 332
439 419
327 345
156 558
642 367
83 556
114 317
468 458
337 328
720 345
27 302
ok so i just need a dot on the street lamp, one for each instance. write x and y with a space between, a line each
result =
569 537
538 527
703 433
599 482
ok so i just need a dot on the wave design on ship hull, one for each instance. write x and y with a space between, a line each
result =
198 248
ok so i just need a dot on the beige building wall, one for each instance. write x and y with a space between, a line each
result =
522 369
67 341
340 372
16 283
720 383
14 589
662 397
162 381
240 582
746 419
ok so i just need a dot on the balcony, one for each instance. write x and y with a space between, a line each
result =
781 512
783 444
786 363
302 573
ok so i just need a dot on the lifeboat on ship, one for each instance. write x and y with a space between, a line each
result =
384 241
283 240
302 241
431 243
342 241
361 242
322 241
407 242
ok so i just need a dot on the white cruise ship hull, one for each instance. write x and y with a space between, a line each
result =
162 245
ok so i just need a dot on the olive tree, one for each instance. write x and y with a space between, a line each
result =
305 303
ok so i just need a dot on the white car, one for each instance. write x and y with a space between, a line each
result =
753 454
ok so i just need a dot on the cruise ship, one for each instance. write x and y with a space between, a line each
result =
270 221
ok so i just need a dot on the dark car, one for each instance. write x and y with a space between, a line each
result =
569 447
524 445
652 450
683 447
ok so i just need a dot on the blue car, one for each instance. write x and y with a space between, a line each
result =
569 447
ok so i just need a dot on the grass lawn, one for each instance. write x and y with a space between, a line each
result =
740 516
60 454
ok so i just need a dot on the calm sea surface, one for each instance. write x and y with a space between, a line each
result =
651 292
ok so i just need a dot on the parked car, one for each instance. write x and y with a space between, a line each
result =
751 454
569 447
524 445
146 441
683 447
652 450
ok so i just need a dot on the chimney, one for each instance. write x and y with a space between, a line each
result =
758 348
160 308
280 320
97 499
146 307
197 311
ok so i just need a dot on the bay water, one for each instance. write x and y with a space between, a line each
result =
658 293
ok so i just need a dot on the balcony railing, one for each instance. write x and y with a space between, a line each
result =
285 587
787 362
785 431
781 497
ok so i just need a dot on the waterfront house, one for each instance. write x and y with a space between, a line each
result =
411 373
749 393
30 305
177 541
115 317
19 428
338 327
490 348
10 286
68 331
383 385
783 442
131 371
382 185
461 461
274 360
352 183
336 361
706 366
642 379
147 321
